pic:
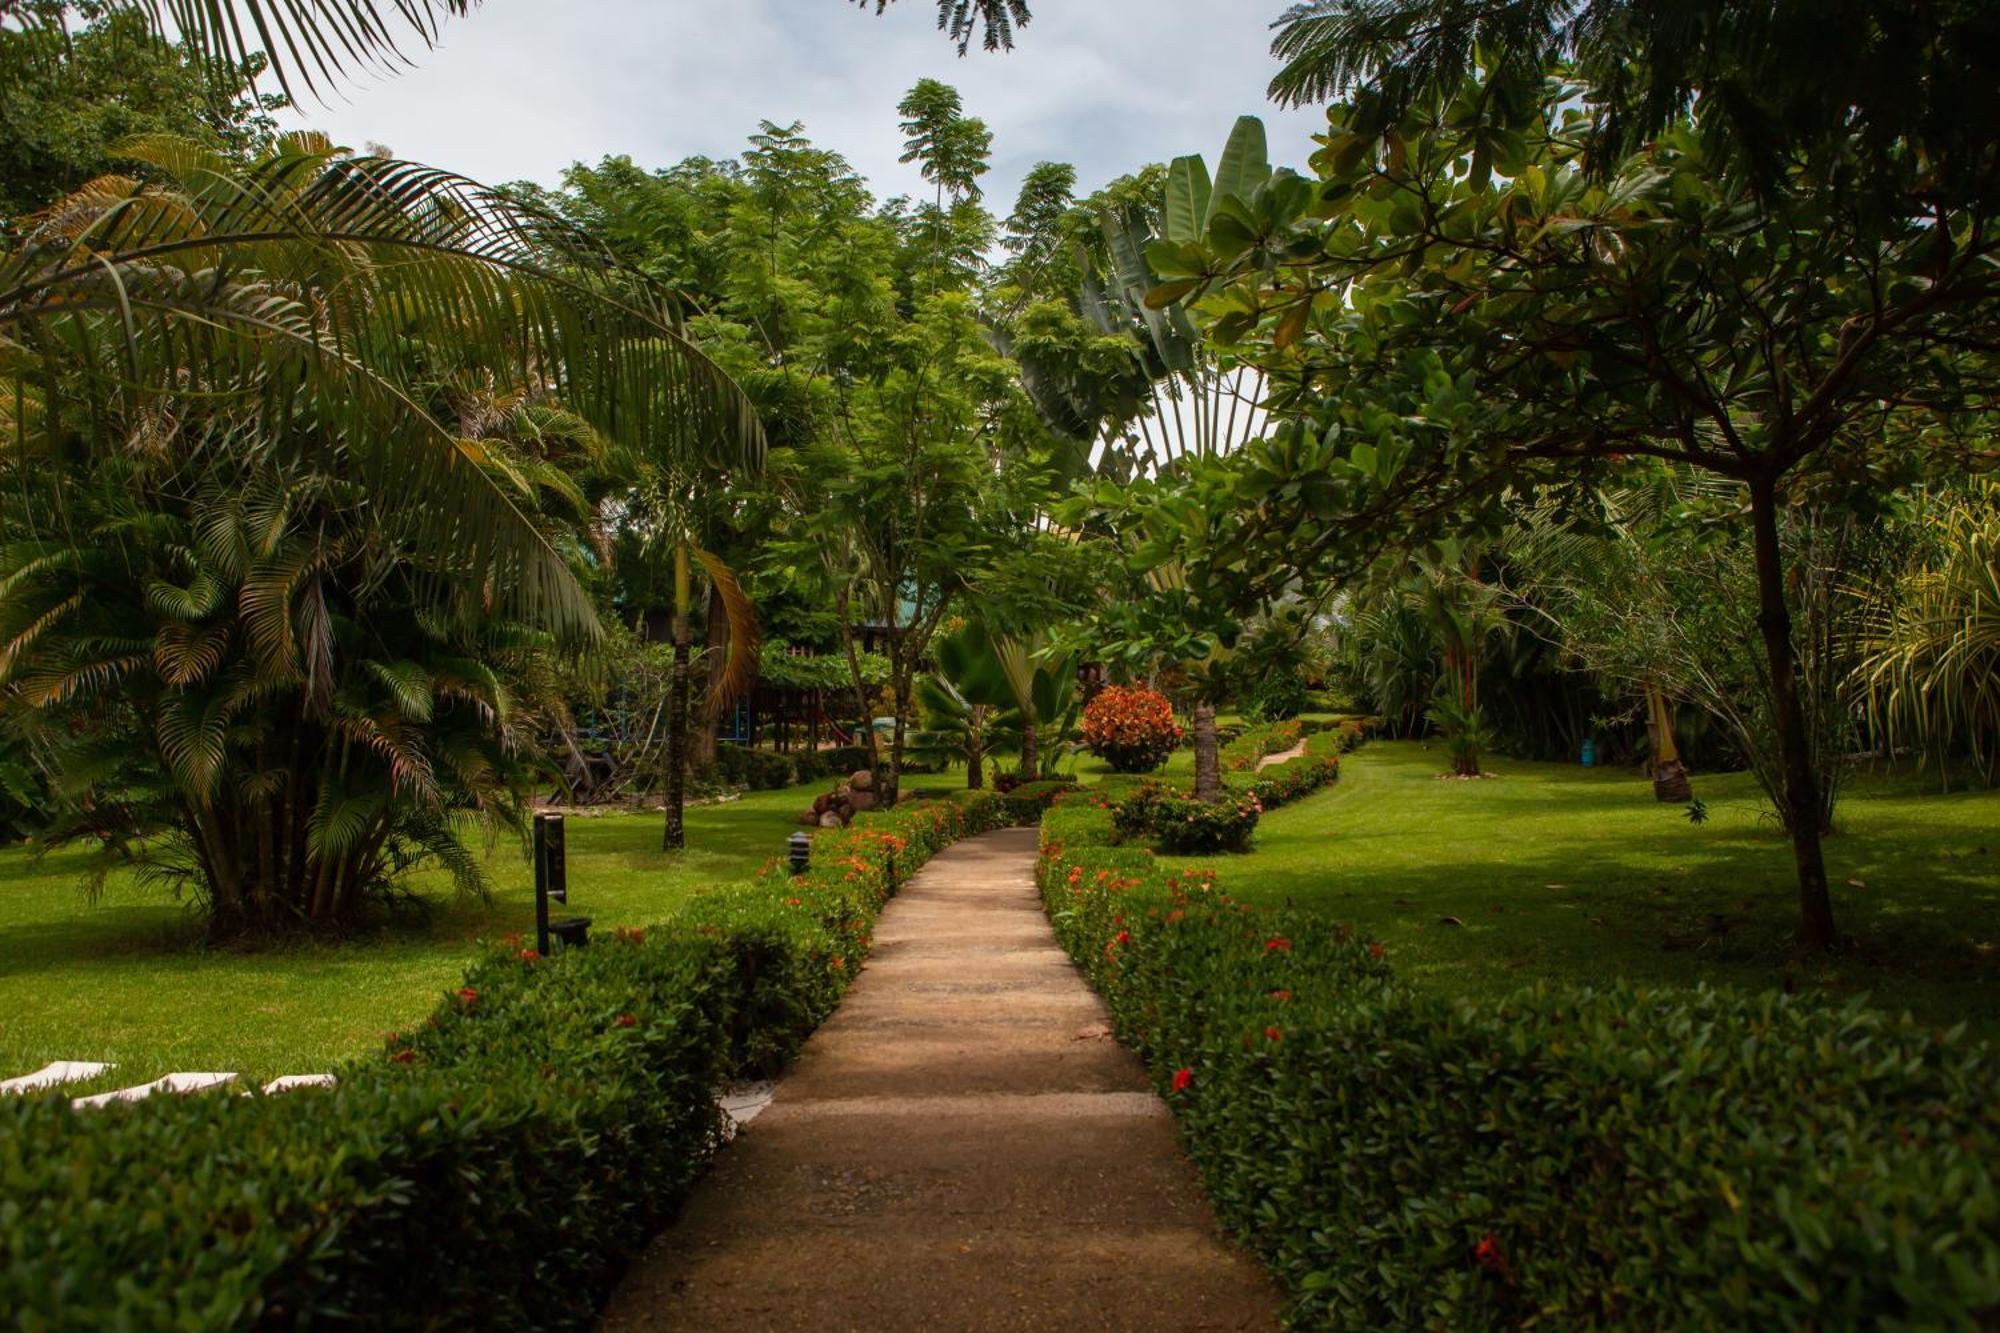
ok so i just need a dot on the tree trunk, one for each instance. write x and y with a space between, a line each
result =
1670 777
715 647
675 836
889 780
1801 797
1207 756
1030 747
844 604
975 747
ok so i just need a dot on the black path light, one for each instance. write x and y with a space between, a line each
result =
552 885
801 846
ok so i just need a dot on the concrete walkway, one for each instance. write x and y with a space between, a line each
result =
962 1146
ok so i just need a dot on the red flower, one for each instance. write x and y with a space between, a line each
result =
1273 1034
1277 944
627 1020
467 995
1488 1256
1122 937
404 1056
528 955
1377 951
1183 1077
1281 995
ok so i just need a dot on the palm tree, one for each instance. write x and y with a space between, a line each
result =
292 449
1930 671
665 508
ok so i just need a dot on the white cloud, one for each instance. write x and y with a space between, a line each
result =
523 88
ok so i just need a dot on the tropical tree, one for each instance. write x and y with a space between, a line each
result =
664 507
69 92
962 18
1473 317
1930 670
318 43
294 449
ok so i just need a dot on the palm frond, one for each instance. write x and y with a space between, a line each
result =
297 286
739 674
315 45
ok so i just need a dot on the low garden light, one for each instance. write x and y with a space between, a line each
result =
801 847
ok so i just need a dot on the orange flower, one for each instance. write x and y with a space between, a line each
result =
627 1020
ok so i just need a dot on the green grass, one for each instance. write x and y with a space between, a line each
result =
126 979
1563 873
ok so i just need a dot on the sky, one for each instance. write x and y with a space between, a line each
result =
522 88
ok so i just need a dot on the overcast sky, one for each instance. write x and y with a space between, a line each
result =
522 88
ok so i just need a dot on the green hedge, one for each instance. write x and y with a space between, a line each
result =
494 1169
1569 1158
1027 802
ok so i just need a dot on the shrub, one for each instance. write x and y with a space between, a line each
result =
1570 1158
759 770
1028 801
840 761
1278 697
493 1169
1131 728
1179 825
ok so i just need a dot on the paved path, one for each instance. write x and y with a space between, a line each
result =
962 1146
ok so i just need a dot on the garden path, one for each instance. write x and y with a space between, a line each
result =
962 1146
1273 760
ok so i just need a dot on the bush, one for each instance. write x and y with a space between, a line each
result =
1278 697
840 761
759 770
1028 801
1131 728
1179 825
493 1169
1570 1158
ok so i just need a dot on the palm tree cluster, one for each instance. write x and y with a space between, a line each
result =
304 458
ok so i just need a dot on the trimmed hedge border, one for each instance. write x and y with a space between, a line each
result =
494 1169
1570 1157
1028 802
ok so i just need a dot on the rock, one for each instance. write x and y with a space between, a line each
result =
830 820
810 818
861 800
862 781
822 803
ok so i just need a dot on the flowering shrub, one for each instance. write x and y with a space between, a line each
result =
492 1169
1182 826
1131 728
1571 1158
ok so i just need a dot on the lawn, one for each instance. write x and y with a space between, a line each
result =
126 980
1572 874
